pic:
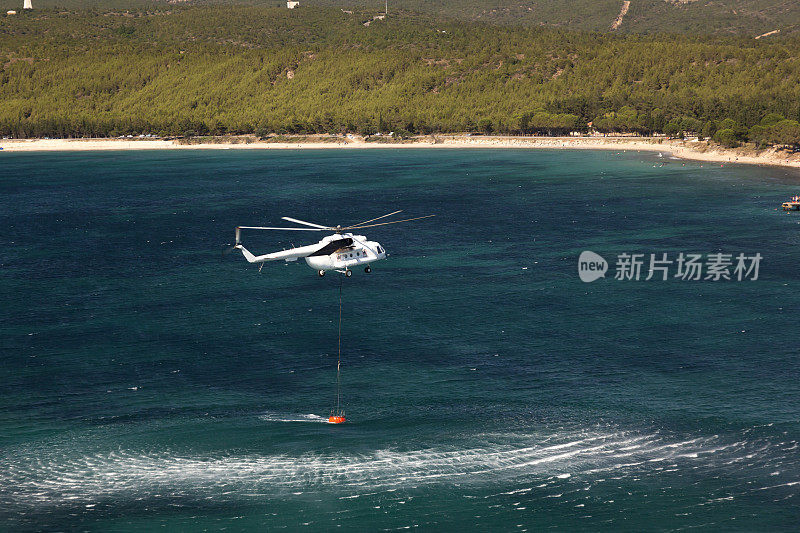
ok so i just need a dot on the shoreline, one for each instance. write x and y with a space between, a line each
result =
683 149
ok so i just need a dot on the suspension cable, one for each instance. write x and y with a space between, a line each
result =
339 354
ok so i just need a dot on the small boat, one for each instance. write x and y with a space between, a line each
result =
792 205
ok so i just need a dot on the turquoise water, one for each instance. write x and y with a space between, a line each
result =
148 380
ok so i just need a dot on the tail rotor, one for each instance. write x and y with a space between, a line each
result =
237 245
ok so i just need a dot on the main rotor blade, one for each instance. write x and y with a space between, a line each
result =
286 229
395 222
374 219
296 221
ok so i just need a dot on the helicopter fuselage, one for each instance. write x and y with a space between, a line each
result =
340 251
357 254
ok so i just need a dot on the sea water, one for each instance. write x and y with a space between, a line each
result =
150 381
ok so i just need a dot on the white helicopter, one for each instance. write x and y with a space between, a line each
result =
340 252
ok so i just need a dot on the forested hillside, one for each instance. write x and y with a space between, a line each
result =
743 17
223 69
747 17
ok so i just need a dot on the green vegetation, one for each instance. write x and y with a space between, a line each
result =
744 17
222 69
773 129
747 17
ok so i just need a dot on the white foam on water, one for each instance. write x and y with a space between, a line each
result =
57 475
284 417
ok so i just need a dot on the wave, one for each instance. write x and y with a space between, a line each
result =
53 478
278 417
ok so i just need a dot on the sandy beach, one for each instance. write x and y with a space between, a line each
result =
684 149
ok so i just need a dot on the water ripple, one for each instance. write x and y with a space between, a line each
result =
58 476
